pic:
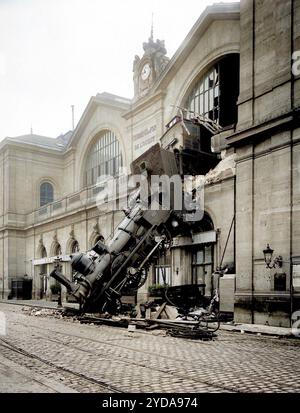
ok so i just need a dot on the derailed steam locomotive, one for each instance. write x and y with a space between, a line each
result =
106 272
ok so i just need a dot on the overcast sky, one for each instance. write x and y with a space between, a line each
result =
58 53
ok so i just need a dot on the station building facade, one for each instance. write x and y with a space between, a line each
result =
234 67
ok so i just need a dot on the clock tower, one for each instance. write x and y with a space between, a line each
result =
149 67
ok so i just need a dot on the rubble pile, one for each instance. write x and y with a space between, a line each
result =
42 312
148 316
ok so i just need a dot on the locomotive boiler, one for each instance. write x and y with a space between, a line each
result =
105 272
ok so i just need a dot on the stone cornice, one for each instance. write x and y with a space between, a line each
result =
7 143
255 132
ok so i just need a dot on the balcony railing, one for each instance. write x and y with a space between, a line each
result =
84 198
69 203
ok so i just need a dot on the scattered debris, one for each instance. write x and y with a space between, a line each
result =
152 310
159 311
192 334
42 312
150 317
131 328
113 321
225 168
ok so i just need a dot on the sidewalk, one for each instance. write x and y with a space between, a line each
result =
235 327
39 303
258 329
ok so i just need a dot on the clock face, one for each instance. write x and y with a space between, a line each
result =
145 71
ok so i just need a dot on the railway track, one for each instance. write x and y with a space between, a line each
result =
82 382
63 339
87 359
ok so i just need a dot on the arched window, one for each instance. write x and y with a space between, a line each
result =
203 225
46 193
99 238
205 96
57 250
43 254
215 94
75 247
104 158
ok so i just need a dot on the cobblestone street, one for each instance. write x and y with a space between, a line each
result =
45 354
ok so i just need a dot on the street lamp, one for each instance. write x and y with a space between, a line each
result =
268 254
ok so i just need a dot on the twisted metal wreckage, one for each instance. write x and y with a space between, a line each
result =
107 272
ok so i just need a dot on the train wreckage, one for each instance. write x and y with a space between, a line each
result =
151 220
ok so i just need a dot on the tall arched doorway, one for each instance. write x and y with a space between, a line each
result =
74 250
40 283
43 273
203 253
55 287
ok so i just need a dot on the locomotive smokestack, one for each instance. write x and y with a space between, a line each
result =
58 276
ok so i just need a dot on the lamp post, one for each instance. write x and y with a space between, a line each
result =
268 255
278 262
